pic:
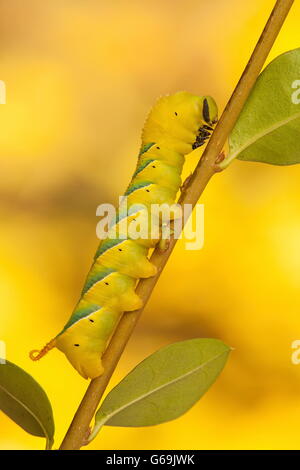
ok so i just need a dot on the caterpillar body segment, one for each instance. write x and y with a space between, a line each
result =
166 175
115 290
127 257
89 334
175 126
164 154
139 225
141 195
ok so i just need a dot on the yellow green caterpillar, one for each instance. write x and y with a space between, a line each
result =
176 125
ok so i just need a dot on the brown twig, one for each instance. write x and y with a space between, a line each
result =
205 169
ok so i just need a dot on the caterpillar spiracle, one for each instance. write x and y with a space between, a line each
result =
175 126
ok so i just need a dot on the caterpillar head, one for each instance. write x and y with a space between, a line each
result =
209 110
175 120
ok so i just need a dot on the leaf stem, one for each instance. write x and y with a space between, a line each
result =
205 169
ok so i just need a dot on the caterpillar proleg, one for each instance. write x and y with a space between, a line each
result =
175 126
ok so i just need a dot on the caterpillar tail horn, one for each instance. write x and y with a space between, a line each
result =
37 354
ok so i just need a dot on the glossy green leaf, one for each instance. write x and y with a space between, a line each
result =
268 127
163 386
25 402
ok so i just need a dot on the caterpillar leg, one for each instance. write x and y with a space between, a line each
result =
163 245
164 242
186 183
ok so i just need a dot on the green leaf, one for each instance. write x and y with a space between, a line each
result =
268 127
163 386
25 402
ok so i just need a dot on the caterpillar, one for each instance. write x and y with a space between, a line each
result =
175 126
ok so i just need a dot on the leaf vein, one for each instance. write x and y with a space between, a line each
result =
260 135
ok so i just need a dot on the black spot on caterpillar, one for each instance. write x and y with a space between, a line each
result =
206 110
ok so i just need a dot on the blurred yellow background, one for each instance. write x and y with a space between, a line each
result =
80 77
